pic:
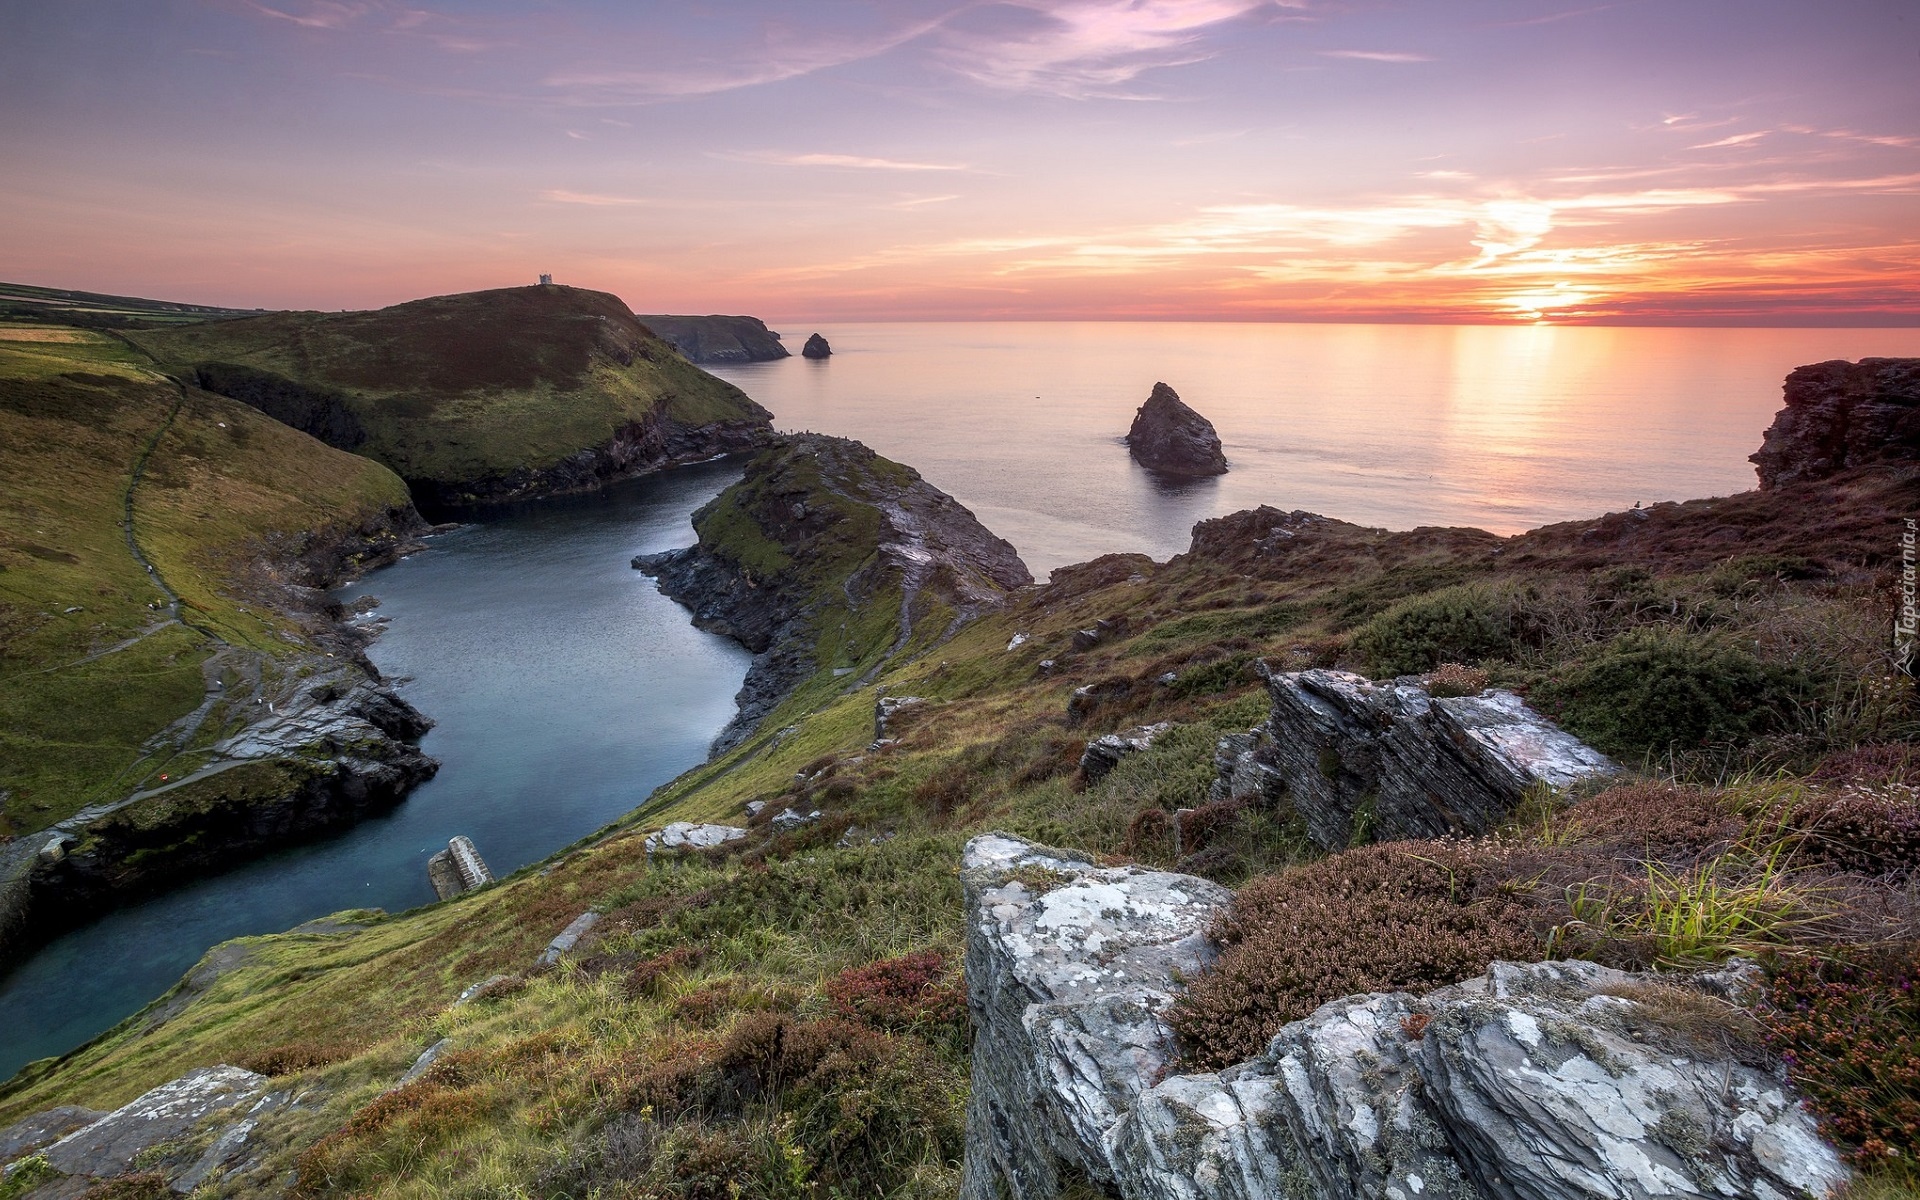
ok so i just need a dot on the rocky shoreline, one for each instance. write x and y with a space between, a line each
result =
326 742
643 447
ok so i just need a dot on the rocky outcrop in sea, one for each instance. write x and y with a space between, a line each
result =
1841 415
1533 1082
1172 439
816 347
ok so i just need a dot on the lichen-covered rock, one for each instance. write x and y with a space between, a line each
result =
686 835
1068 966
1839 415
1533 1082
1362 760
1548 1095
167 1116
1169 437
43 1129
1104 753
568 938
883 710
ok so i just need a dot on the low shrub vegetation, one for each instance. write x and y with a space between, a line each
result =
1848 1027
1381 918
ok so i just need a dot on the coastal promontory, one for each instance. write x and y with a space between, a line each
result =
718 339
477 397
1172 439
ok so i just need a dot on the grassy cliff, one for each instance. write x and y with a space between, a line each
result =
145 527
474 395
781 1017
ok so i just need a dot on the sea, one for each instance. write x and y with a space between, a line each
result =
1500 427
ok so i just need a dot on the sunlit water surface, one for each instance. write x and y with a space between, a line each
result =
1391 425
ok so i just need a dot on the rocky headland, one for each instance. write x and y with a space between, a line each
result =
1170 438
180 691
475 398
717 339
827 553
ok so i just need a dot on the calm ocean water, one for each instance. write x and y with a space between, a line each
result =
1392 425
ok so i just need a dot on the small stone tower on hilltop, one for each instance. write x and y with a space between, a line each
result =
546 281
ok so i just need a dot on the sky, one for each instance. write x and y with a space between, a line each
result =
1525 161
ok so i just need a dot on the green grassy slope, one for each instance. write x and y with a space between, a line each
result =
25 303
777 1019
469 387
92 664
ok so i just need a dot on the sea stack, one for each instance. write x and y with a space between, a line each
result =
816 347
1172 439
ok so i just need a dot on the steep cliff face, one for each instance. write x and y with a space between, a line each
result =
1840 415
1169 437
827 556
1535 1082
717 339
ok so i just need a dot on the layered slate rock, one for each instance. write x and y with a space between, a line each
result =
1104 753
816 347
1383 761
457 869
191 1131
1841 415
1068 966
1172 439
1533 1082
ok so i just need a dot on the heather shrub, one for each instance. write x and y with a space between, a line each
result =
645 978
1848 1029
900 993
1872 831
288 1058
1870 766
142 1185
1657 820
1381 918
1652 691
